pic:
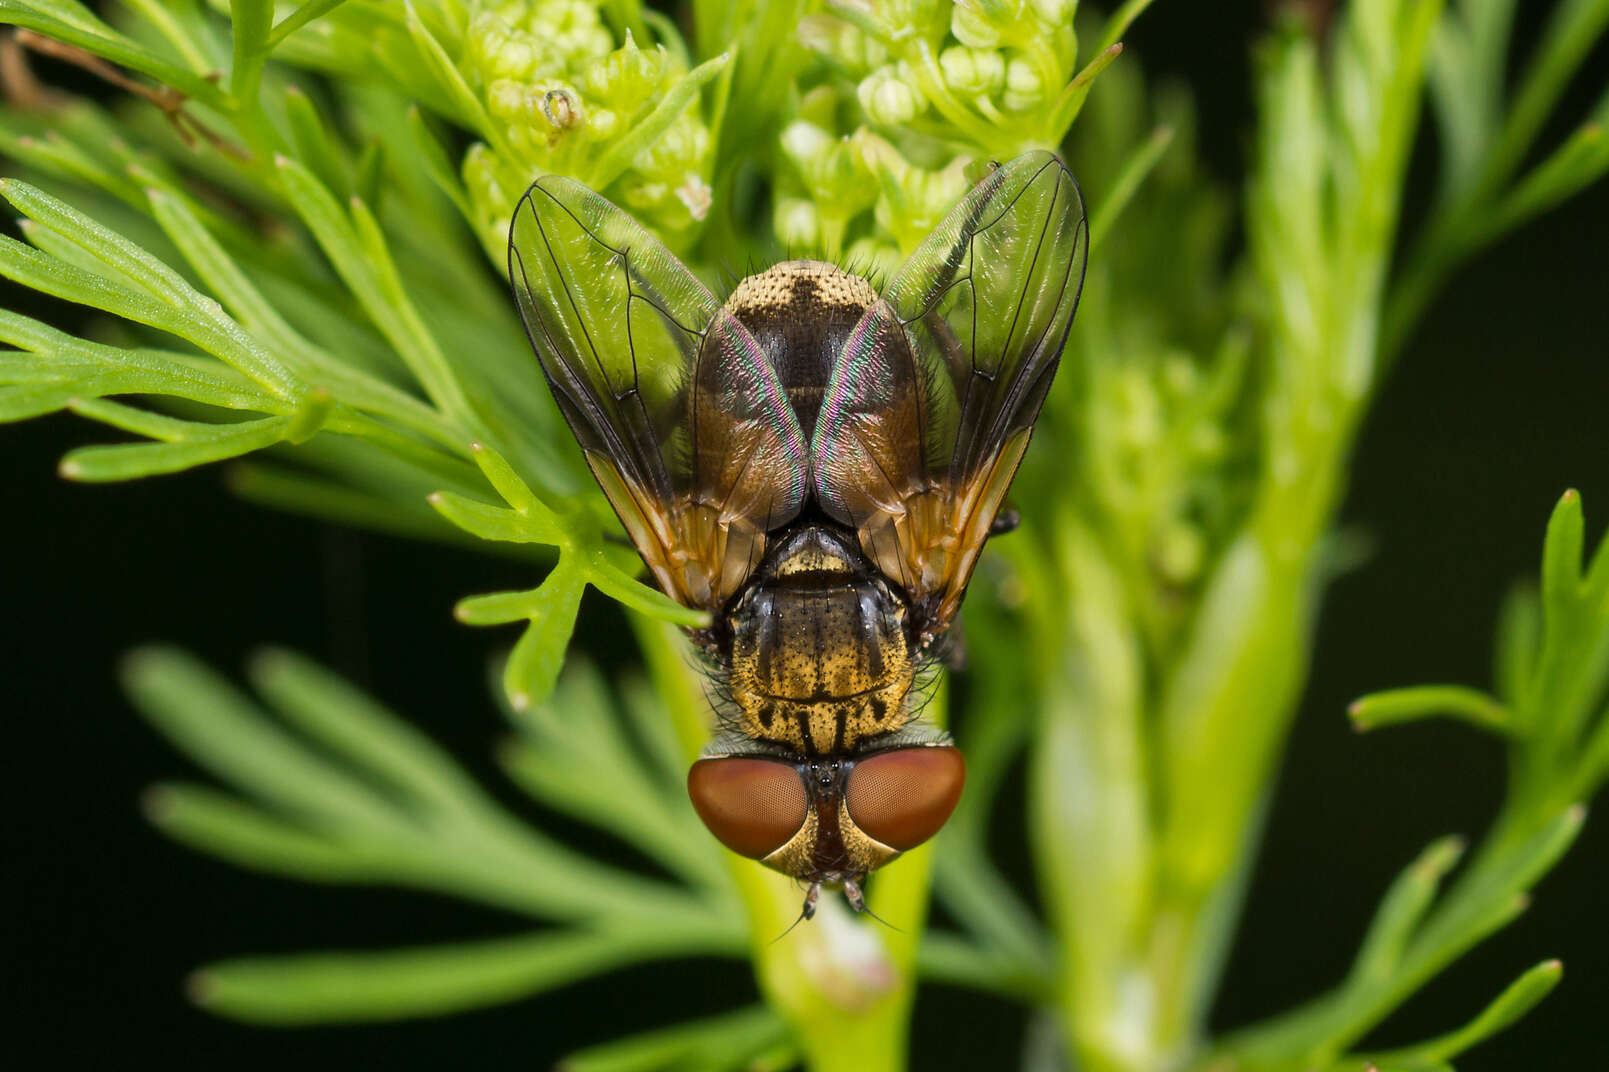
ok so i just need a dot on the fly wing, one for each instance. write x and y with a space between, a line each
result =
680 416
934 396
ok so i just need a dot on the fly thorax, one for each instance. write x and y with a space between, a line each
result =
821 658
801 313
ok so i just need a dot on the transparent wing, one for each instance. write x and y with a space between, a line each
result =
934 396
681 418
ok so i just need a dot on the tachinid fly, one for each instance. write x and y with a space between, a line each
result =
817 465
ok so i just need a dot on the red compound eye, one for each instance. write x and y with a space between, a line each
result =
903 797
753 806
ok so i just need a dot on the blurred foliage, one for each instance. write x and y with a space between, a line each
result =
287 216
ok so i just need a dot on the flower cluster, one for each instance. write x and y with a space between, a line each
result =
562 98
904 98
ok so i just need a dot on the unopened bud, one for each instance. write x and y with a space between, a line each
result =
796 223
1024 89
974 71
888 99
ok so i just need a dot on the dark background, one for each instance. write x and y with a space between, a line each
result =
1496 407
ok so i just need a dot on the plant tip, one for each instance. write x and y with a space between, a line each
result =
266 662
68 469
281 160
520 701
201 987
434 498
156 804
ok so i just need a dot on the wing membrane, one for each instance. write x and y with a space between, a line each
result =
935 394
680 416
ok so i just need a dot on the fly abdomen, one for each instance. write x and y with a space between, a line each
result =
820 655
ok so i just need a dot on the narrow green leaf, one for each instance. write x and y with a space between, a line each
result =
492 522
369 177
1072 98
1128 180
533 666
1396 706
106 245
339 987
515 491
226 827
353 725
311 496
433 157
1491 899
1519 638
1119 21
134 460
1573 28
654 730
303 15
158 426
496 608
222 337
652 126
467 106
25 403
89 33
1401 910
312 141
56 155
250 21
1561 560
1517 999
1582 160
713 1045
612 582
208 719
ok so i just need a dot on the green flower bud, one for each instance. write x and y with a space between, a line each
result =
803 142
973 27
902 20
682 145
843 43
996 23
1179 553
1055 12
796 223
626 78
645 197
602 124
506 101
910 200
1024 88
974 71
872 259
889 99
572 28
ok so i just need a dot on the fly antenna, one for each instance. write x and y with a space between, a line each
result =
807 911
857 901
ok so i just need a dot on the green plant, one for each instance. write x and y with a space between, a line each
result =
297 265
